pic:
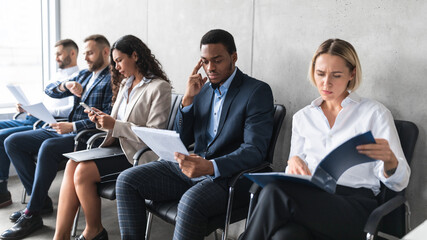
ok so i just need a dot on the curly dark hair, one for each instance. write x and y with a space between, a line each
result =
147 64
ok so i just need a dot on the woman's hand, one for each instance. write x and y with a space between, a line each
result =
104 120
381 151
297 166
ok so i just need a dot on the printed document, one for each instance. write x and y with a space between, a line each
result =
163 142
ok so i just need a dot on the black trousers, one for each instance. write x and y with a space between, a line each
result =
296 211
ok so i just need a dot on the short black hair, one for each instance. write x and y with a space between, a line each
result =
219 36
67 43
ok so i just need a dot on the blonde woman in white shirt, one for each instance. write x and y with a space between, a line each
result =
142 97
302 212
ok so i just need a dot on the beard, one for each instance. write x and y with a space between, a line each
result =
97 64
64 63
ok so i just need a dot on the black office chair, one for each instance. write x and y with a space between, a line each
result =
167 211
390 217
108 189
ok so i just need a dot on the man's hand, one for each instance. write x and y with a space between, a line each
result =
194 85
193 165
381 151
104 120
75 88
62 127
19 108
297 166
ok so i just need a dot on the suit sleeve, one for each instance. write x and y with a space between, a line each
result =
258 128
100 101
157 118
184 125
52 90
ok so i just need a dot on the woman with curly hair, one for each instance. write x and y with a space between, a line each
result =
141 97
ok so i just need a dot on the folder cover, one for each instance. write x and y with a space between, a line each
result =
329 169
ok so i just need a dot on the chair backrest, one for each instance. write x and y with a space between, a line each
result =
395 222
279 115
175 102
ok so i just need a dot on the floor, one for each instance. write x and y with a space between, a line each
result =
160 230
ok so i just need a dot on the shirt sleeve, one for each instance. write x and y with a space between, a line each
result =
216 171
297 141
384 127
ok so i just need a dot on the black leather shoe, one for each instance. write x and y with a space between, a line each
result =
23 227
103 235
5 199
47 208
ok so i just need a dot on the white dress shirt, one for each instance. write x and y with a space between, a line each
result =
61 107
313 138
126 96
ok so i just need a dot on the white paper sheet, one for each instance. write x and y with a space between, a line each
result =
18 94
163 142
39 111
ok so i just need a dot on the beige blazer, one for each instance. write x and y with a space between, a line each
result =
149 107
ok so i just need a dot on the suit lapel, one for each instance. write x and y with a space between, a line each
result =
97 80
136 96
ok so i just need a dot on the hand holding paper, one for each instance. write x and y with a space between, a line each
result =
193 165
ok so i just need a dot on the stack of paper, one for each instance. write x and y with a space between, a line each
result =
38 110
163 142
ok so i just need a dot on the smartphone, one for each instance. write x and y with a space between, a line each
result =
87 107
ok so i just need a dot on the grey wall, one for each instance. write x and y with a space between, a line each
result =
275 42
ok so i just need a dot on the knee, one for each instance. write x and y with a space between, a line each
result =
125 177
10 141
271 189
85 174
188 203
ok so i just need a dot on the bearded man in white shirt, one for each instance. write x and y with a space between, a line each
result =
66 51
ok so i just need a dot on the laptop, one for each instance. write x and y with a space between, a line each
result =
94 153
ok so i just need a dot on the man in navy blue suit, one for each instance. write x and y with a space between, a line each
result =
91 86
230 122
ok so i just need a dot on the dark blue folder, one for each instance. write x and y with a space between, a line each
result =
329 169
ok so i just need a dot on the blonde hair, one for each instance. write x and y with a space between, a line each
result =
345 50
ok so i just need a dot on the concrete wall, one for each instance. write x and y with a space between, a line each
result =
275 42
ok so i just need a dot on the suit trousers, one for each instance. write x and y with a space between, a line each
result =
8 127
48 146
162 181
296 211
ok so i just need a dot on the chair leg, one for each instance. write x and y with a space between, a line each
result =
369 236
148 227
408 217
24 196
252 202
75 223
228 214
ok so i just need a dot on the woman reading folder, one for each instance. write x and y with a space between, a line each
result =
287 210
142 97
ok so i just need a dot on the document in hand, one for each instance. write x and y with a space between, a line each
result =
18 94
38 110
163 142
329 169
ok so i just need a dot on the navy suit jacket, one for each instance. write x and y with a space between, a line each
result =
98 96
244 129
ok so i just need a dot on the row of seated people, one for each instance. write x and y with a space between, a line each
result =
230 122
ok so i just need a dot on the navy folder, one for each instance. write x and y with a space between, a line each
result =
329 169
